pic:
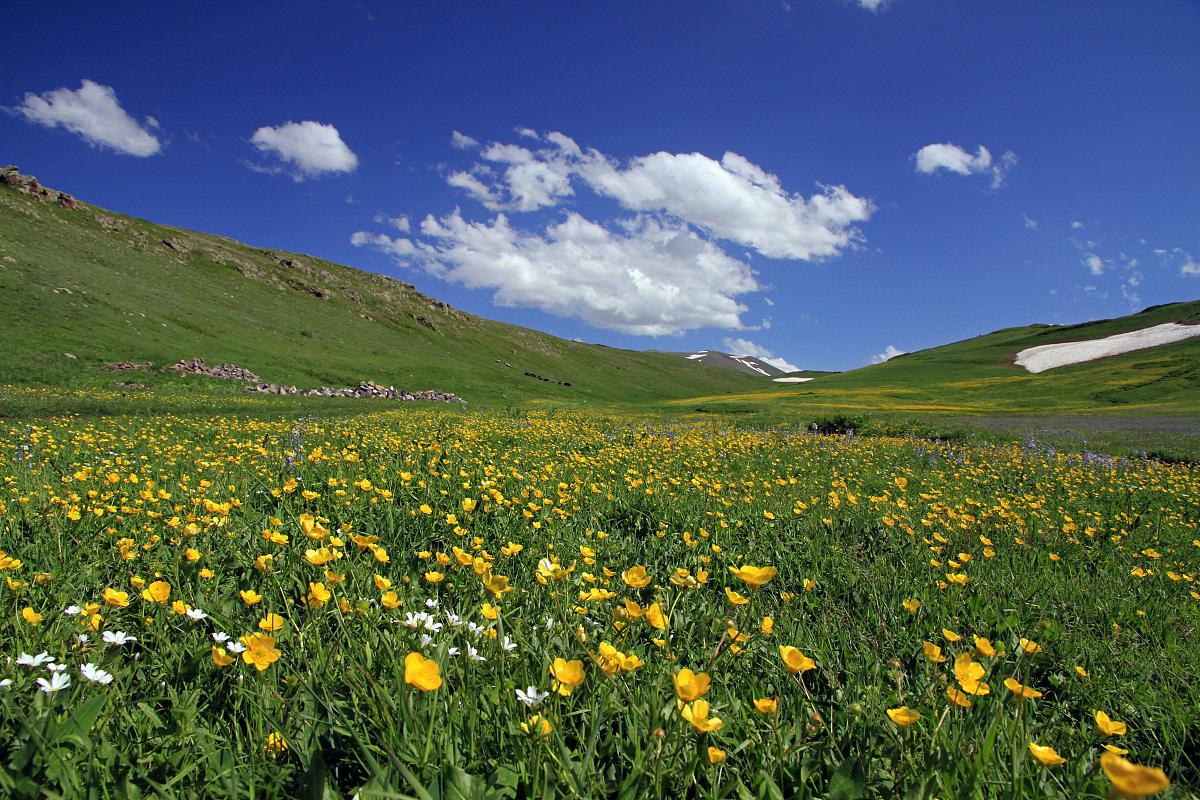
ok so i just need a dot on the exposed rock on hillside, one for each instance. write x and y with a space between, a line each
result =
196 366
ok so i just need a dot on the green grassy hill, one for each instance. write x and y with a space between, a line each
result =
977 376
103 287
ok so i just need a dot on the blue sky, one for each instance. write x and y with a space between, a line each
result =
796 179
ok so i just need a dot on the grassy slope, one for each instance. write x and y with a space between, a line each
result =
977 376
69 285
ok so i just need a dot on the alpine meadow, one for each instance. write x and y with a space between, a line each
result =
699 440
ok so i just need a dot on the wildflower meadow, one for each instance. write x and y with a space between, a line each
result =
443 604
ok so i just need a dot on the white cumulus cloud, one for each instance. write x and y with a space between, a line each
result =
1180 259
652 278
889 352
745 347
93 113
731 199
952 158
872 5
1094 263
310 149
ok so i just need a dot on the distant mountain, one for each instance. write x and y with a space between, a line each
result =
745 364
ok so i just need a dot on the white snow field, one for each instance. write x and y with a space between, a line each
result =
791 380
1049 356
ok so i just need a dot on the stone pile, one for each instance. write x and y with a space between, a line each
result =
364 389
196 366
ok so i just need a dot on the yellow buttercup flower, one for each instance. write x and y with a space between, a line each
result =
766 705
697 713
795 661
567 675
754 577
690 685
1133 780
903 716
1109 726
1021 691
260 650
716 755
636 577
422 673
1046 754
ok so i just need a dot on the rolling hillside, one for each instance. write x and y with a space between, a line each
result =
977 376
81 286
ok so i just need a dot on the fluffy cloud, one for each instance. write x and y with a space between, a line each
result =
952 158
310 148
732 199
745 347
92 112
1180 259
1030 222
652 278
872 5
889 352
460 141
1094 263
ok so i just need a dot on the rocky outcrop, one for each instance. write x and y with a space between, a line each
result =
364 390
27 184
196 366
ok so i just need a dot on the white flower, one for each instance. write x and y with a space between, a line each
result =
83 638
52 667
73 611
474 628
117 637
236 647
452 651
220 637
454 619
94 674
58 681
473 654
431 603
26 660
508 644
549 623
426 639
7 682
531 696
196 614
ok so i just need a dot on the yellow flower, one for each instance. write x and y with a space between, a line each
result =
1021 691
958 697
794 660
970 675
421 672
912 605
390 600
260 650
31 616
1046 754
950 635
697 713
734 598
690 685
539 725
903 716
192 554
716 755
317 595
1112 748
1133 780
984 647
434 576
489 611
1029 645
754 577
275 743
656 617
567 675
768 626
512 548
157 592
636 577
382 583
766 705
263 563
180 608
271 623
933 652
116 599
221 658
1108 726
250 597
468 504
